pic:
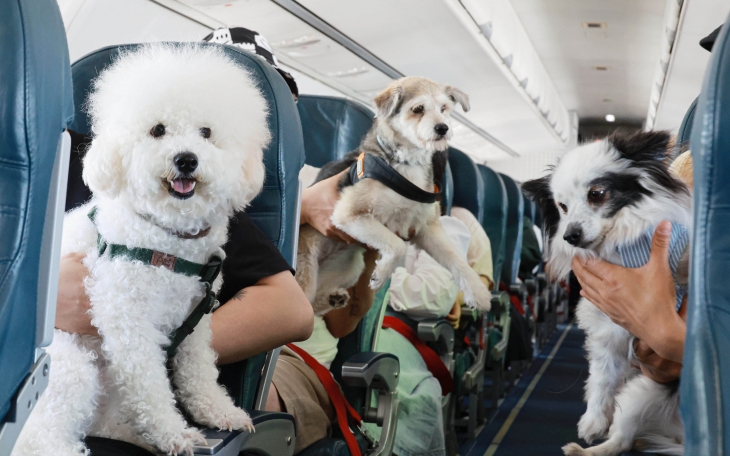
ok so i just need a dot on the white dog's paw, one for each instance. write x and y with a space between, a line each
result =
573 449
592 426
177 443
229 418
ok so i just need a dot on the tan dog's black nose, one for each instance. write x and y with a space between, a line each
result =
441 128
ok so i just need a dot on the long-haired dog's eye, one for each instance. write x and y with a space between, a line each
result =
205 132
158 131
443 108
418 109
596 195
563 208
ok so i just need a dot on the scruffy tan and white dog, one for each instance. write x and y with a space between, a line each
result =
412 124
178 138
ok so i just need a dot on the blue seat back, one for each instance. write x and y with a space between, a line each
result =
515 213
495 216
332 127
468 185
685 130
275 210
36 106
448 189
705 386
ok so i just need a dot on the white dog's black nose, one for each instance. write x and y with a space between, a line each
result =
441 128
573 235
186 162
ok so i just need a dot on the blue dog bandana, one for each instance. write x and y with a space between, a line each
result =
636 255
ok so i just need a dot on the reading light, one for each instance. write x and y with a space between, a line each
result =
610 118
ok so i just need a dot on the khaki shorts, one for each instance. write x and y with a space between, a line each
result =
304 398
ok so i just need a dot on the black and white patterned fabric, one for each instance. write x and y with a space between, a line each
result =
255 43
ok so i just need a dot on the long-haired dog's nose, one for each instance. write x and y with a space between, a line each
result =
185 162
573 234
441 128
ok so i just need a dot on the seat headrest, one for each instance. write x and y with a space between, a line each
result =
515 217
332 127
705 386
685 130
274 211
35 83
495 216
468 185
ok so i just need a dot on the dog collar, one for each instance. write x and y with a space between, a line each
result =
176 233
374 167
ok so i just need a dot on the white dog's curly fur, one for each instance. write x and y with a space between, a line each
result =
117 385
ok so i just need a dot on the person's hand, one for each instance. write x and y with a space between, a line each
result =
318 203
72 308
654 366
641 300
455 315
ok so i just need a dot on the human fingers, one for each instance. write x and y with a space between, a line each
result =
660 243
585 277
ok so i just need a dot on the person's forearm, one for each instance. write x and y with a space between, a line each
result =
668 340
242 330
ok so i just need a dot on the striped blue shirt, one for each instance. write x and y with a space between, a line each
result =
636 255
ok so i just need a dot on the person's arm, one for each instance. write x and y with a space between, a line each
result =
318 202
272 313
343 321
642 300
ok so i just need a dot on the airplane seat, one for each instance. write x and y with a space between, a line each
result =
685 129
495 225
275 211
515 213
705 385
35 81
532 283
332 127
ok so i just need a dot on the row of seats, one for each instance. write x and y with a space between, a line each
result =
35 153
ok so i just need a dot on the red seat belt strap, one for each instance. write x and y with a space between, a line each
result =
433 362
343 409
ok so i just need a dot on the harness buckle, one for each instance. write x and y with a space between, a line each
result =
211 270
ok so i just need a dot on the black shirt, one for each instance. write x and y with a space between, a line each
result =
250 256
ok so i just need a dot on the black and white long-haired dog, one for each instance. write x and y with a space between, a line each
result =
600 198
411 126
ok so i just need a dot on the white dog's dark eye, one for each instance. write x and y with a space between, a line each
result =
418 109
158 131
563 207
205 132
443 108
596 195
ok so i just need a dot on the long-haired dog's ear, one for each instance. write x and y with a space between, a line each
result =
103 172
642 145
389 100
458 96
538 190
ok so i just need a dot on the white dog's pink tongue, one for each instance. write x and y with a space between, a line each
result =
182 185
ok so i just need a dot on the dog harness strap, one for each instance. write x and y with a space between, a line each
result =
374 167
207 272
343 409
433 361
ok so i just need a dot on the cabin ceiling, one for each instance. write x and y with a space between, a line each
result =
427 38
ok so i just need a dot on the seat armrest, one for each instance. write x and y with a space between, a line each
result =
372 370
500 303
274 436
531 285
542 280
438 331
518 289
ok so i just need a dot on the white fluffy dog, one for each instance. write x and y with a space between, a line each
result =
603 200
178 138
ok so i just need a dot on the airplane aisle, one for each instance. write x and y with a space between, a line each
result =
547 415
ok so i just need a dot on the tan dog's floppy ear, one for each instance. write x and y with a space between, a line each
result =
103 171
389 99
458 96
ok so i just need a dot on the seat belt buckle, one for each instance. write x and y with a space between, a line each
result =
211 270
